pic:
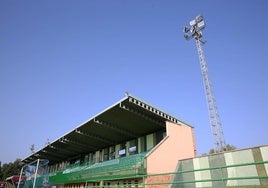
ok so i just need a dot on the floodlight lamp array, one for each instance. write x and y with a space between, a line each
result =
195 29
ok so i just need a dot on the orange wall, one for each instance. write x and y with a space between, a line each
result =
178 144
158 181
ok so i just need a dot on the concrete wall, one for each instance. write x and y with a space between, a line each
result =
178 144
236 169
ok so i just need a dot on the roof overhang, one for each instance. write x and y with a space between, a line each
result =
125 120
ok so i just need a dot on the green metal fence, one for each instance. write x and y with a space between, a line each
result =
221 170
191 183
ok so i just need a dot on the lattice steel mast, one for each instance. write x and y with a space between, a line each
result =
195 31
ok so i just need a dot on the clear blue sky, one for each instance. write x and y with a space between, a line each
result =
61 62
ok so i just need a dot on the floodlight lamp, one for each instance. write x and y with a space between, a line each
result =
199 18
201 24
185 29
193 22
200 34
193 29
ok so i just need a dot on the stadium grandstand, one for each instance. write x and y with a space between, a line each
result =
119 147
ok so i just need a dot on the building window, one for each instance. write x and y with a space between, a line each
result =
143 146
106 154
133 147
94 158
112 152
122 151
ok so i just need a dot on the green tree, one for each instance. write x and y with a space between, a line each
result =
228 147
1 175
10 169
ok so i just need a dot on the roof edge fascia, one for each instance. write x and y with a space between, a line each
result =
181 121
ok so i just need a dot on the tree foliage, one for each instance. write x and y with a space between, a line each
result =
227 148
10 169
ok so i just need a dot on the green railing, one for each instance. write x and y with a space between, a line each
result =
181 183
131 166
222 179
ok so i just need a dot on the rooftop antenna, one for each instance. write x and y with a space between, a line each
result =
32 149
195 32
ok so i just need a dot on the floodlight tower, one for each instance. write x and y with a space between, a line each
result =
195 31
